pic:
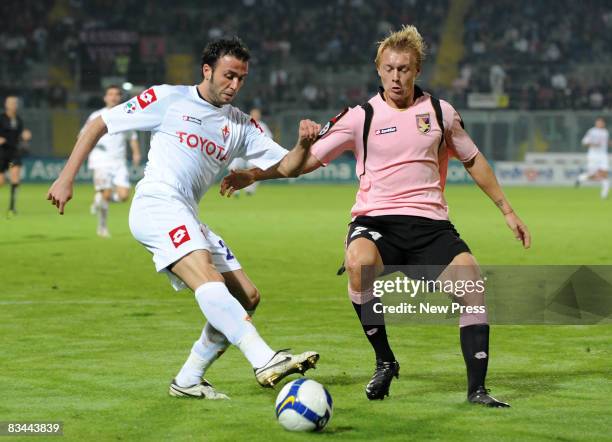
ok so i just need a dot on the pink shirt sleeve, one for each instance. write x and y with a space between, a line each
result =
457 139
339 137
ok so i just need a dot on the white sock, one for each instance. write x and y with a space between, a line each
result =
226 314
102 214
97 198
206 350
605 188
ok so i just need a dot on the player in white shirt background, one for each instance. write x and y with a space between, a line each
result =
108 162
195 133
240 163
596 140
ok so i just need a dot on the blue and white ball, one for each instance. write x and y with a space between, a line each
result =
304 405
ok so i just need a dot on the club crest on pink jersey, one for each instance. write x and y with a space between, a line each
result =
423 122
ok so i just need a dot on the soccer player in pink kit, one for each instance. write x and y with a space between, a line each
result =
195 134
400 216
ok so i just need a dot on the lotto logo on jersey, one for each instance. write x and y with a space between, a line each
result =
147 97
179 235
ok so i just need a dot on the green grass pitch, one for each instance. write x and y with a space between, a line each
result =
91 336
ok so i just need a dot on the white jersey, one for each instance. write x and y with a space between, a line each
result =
110 150
266 130
598 140
191 140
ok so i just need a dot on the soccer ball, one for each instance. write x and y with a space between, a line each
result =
303 405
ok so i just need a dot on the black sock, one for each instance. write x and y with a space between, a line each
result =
475 348
374 327
13 196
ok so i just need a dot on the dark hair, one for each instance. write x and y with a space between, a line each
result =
113 86
224 46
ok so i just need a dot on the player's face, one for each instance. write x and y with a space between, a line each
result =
112 97
225 80
397 71
10 104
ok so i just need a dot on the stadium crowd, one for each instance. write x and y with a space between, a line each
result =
314 54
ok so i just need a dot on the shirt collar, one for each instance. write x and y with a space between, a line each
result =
418 92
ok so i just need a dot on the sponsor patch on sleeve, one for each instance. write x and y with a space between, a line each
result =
146 98
331 122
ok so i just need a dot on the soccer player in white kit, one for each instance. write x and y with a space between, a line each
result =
109 165
240 163
196 133
596 140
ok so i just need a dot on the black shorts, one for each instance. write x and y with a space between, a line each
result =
404 240
8 158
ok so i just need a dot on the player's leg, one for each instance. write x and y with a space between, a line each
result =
121 183
602 176
97 201
15 177
228 316
364 263
103 210
121 194
3 168
473 326
103 184
212 343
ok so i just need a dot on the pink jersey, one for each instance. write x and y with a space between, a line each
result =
405 168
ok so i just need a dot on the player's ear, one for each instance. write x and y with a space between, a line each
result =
207 72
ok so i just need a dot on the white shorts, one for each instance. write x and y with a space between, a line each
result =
169 229
597 162
111 176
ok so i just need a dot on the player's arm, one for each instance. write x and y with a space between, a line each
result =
292 164
330 143
239 179
60 191
135 146
482 173
462 146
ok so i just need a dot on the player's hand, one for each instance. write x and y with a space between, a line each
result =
519 229
308 133
26 135
236 180
60 193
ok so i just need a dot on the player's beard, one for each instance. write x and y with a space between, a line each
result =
215 93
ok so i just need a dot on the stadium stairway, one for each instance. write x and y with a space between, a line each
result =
451 49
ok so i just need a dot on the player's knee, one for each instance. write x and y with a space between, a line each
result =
123 194
361 269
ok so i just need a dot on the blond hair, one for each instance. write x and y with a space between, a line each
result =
406 39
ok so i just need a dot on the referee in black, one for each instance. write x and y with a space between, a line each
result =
12 133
